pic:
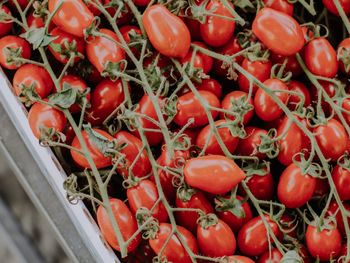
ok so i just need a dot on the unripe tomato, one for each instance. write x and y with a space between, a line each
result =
13 46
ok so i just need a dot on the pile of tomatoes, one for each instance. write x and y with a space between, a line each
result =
194 131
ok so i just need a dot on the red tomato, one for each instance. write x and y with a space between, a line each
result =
259 69
77 83
125 220
141 2
248 146
253 237
34 21
94 10
168 34
102 50
197 200
217 31
22 3
189 106
105 98
288 224
346 106
13 47
42 115
261 186
141 165
73 16
216 240
273 256
334 211
124 16
321 58
270 26
100 160
331 138
323 244
239 259
341 178
5 27
342 52
200 61
300 88
294 188
292 63
322 187
174 251
31 76
211 85
194 28
265 107
214 174
330 88
234 213
145 194
330 5
280 5
213 146
126 31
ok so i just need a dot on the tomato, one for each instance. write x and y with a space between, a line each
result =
321 58
234 213
13 47
330 5
343 252
200 61
239 259
101 50
248 146
214 174
174 251
44 116
322 187
217 31
294 188
143 253
341 178
323 244
105 98
127 31
65 45
145 194
31 76
253 237
125 220
288 224
270 26
124 16
261 186
146 107
189 106
346 106
213 146
22 3
94 10
292 63
100 160
334 211
34 21
231 48
273 256
330 88
331 138
141 2
258 69
216 240
280 5
265 107
167 33
196 200
73 16
77 83
342 52
5 27
133 145
211 85
300 88
228 104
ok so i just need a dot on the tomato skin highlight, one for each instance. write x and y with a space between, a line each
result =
168 34
125 220
341 178
214 174
239 259
270 26
13 43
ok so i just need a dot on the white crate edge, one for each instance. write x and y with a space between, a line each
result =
55 174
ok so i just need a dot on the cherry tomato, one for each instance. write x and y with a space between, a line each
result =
261 186
125 220
330 5
346 106
94 10
168 34
341 178
248 146
131 151
300 88
325 244
216 240
342 52
141 2
5 27
73 16
280 5
124 16
334 211
127 31
239 259
200 61
294 188
292 63
189 106
217 31
321 58
145 194
330 88
100 160
214 174
211 85
44 116
273 256
322 187
288 224
253 237
105 98
34 21
331 138
259 69
174 251
265 107
187 199
101 50
12 47
22 3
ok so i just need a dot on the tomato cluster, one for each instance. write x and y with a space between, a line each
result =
209 131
